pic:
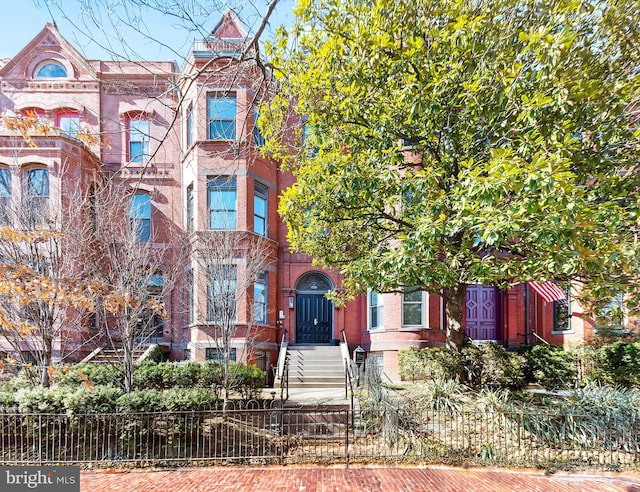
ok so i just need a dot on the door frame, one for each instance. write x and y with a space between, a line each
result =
313 283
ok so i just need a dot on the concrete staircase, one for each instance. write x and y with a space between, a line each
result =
315 367
109 355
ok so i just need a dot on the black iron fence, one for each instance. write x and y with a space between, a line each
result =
299 435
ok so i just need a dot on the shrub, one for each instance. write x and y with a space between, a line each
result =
41 400
250 379
490 365
97 375
549 365
618 364
146 400
7 400
429 363
186 374
185 399
156 354
100 399
444 395
210 374
149 375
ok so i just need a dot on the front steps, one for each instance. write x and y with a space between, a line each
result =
315 367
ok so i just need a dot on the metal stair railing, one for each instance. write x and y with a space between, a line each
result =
282 369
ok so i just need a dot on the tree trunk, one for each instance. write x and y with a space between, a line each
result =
46 363
454 315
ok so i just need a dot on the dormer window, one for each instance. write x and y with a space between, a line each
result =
51 70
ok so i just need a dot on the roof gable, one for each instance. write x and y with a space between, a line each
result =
47 45
229 28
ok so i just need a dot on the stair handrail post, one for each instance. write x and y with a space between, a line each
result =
282 358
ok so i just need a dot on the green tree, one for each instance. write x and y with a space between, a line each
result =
453 142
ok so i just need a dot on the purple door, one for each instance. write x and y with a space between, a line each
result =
481 311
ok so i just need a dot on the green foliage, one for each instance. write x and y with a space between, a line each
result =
461 142
187 375
41 400
95 374
99 399
146 400
490 365
618 364
443 395
183 399
156 354
211 374
7 400
549 365
149 375
429 363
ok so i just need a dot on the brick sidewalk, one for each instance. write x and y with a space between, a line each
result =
356 478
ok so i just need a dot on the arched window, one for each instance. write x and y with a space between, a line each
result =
36 199
140 215
50 70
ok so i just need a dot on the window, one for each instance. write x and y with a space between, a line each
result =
221 196
140 215
5 196
260 292
217 355
221 294
191 226
51 70
376 310
412 307
150 326
258 139
260 209
138 134
190 296
189 126
37 197
612 315
69 124
221 117
562 311
561 316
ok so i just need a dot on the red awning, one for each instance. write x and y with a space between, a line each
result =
549 291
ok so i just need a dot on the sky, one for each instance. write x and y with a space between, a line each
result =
97 28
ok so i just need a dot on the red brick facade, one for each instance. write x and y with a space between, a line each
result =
106 95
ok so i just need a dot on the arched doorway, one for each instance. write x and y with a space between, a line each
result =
314 312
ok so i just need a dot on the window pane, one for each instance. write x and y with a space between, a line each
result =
260 210
221 117
141 206
138 140
51 70
221 107
412 314
69 124
260 299
140 214
38 183
5 182
413 296
222 203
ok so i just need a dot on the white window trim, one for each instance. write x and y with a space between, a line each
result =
380 304
424 322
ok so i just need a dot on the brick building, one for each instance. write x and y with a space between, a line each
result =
184 141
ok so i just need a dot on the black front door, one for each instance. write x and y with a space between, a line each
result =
314 318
